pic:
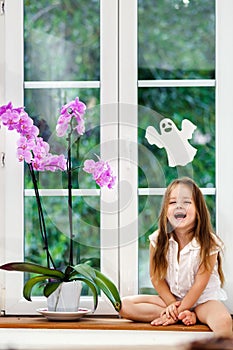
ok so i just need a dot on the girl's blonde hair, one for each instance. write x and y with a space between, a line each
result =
202 230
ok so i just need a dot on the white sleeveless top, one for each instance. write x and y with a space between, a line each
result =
181 274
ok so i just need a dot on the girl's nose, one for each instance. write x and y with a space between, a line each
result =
179 205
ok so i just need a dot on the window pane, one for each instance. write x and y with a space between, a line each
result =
86 222
194 104
61 40
62 43
176 39
43 105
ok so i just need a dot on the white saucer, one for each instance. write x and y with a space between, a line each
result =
63 316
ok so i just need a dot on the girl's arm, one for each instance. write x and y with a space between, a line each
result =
200 283
160 286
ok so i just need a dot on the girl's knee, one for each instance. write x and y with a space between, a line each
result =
226 321
223 325
216 316
126 305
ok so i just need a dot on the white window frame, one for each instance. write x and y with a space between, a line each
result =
13 302
118 97
224 139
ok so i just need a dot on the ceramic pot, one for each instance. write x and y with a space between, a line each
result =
66 297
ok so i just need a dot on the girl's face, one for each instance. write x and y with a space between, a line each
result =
181 211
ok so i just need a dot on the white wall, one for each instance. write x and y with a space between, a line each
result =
224 117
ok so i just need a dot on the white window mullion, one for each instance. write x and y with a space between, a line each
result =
109 136
62 84
128 171
63 192
13 170
177 83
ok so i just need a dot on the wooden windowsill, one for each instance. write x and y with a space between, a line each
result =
92 322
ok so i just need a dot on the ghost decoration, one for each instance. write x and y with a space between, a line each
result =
175 141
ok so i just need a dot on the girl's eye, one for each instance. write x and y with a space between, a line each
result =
187 202
172 202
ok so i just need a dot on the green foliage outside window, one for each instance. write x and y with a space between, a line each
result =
176 41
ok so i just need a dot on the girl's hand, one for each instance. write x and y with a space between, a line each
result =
171 311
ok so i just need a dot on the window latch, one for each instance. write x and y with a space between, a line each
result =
2 7
2 159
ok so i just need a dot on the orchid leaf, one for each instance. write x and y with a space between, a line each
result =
106 291
50 288
93 262
33 268
85 270
27 290
108 283
109 289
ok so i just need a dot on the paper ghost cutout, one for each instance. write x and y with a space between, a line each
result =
175 141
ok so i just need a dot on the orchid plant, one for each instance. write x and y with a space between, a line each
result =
32 149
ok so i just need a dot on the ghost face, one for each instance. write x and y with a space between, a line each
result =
166 126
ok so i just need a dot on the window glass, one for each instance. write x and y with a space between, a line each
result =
62 43
61 40
43 105
197 104
86 223
176 39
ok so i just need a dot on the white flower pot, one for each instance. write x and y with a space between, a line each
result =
66 297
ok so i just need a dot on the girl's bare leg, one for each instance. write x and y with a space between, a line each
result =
188 317
216 316
143 308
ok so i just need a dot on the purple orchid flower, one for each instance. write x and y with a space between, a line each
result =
101 172
73 110
36 153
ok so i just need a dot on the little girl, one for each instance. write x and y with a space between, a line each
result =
185 266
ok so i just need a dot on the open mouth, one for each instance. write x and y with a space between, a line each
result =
180 215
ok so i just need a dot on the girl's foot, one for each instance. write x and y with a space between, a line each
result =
163 321
188 317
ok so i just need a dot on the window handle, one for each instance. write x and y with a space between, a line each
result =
2 7
2 159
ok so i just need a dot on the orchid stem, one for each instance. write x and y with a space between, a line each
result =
69 173
43 230
70 204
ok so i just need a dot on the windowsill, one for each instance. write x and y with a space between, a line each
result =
93 333
93 322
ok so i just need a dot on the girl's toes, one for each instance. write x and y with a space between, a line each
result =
187 317
182 315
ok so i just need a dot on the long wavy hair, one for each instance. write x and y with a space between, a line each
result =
202 231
